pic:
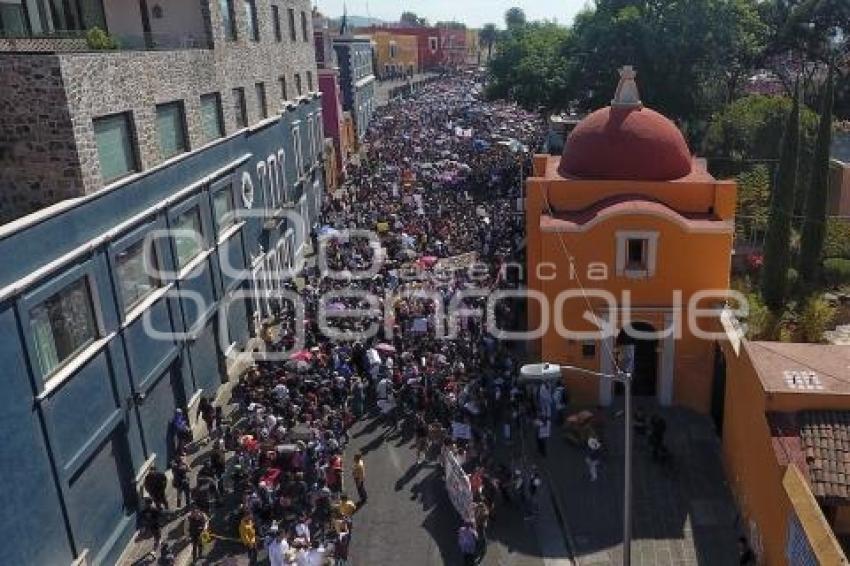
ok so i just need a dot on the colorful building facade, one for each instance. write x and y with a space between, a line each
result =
624 231
397 54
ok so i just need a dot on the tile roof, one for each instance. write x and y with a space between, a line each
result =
825 439
810 369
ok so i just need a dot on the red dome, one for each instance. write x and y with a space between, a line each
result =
626 144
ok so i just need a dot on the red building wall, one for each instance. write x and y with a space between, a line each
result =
429 58
332 114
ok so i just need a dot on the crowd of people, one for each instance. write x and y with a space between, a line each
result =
437 185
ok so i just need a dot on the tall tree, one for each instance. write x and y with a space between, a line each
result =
774 276
514 18
487 36
411 19
814 227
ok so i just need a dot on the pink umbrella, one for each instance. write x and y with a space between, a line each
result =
385 348
428 261
301 356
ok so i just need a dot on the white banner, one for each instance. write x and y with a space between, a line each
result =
458 486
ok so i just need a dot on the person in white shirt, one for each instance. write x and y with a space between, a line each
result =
302 530
277 547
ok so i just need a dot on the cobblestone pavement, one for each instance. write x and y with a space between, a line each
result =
683 512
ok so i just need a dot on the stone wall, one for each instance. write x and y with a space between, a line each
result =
38 157
75 88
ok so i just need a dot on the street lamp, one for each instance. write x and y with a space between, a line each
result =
552 372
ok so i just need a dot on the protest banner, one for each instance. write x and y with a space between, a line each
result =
458 486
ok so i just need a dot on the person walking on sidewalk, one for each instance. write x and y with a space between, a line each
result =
197 523
155 485
467 542
358 473
207 411
150 520
180 480
544 429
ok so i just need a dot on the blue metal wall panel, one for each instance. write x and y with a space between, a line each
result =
36 534
156 411
205 361
145 350
83 404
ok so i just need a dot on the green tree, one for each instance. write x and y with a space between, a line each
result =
451 25
690 54
514 19
777 243
814 227
529 67
753 202
837 243
487 37
411 19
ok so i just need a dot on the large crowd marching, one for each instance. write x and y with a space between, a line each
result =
438 185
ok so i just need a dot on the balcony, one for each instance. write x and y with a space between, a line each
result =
64 25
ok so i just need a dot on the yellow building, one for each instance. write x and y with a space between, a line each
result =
473 47
397 54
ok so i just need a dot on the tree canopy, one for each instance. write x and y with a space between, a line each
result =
515 18
411 19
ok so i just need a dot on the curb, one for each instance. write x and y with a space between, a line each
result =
560 517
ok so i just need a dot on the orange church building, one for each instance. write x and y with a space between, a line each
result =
625 232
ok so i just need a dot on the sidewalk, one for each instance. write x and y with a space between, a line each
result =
683 513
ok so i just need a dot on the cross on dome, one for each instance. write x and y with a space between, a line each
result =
627 95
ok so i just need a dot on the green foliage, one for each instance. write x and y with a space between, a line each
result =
411 19
515 19
751 129
815 318
99 40
487 37
753 201
836 271
837 242
529 66
691 55
777 242
814 227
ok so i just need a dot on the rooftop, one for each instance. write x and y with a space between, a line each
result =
786 367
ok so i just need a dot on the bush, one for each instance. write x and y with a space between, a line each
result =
837 241
99 40
836 271
816 317
793 277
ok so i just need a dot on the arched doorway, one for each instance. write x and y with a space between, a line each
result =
645 374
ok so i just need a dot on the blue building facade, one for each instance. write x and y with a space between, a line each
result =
120 306
357 80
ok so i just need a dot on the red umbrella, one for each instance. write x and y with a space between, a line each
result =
301 356
385 348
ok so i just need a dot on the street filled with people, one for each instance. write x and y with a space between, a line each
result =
396 325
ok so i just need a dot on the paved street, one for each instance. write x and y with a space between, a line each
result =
410 520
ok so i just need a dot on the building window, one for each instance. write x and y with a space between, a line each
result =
292 33
283 93
261 100
304 28
636 249
240 112
298 84
432 44
636 253
393 49
588 349
211 117
63 325
223 209
309 81
115 149
228 19
136 272
278 32
171 128
251 16
187 236
21 18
